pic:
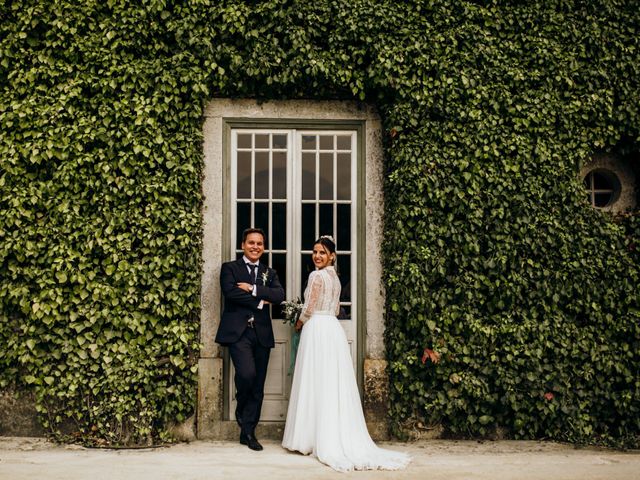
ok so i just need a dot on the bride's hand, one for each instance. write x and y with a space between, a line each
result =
299 325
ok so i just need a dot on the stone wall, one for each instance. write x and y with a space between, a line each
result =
18 415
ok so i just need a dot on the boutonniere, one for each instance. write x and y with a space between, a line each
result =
265 276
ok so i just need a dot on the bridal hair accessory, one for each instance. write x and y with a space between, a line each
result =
327 237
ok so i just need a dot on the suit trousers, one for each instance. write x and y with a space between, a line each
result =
250 360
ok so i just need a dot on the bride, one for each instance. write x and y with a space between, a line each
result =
325 417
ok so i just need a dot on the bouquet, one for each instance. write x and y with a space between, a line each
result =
291 311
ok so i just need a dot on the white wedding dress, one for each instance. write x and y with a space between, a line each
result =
325 417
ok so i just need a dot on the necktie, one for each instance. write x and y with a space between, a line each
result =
253 269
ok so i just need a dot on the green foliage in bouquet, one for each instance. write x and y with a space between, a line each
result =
512 304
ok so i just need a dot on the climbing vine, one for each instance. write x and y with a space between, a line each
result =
512 304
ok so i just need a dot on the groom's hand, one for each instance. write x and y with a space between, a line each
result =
247 287
299 325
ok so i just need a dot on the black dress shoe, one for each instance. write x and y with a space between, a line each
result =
251 442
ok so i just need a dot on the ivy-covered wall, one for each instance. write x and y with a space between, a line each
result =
511 302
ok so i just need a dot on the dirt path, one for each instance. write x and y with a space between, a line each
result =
29 458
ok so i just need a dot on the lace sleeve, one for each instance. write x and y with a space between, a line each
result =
312 294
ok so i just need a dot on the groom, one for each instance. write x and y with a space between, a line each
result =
249 287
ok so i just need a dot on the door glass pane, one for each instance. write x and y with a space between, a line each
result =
262 220
344 176
326 142
279 230
343 142
243 220
279 263
308 142
345 312
306 267
326 219
262 140
244 174
279 174
344 267
262 175
308 225
244 140
279 141
326 176
343 236
308 176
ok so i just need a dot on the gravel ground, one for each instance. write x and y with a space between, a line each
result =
36 458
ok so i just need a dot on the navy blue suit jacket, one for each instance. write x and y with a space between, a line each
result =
239 305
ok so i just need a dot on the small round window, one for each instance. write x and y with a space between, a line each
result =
603 187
